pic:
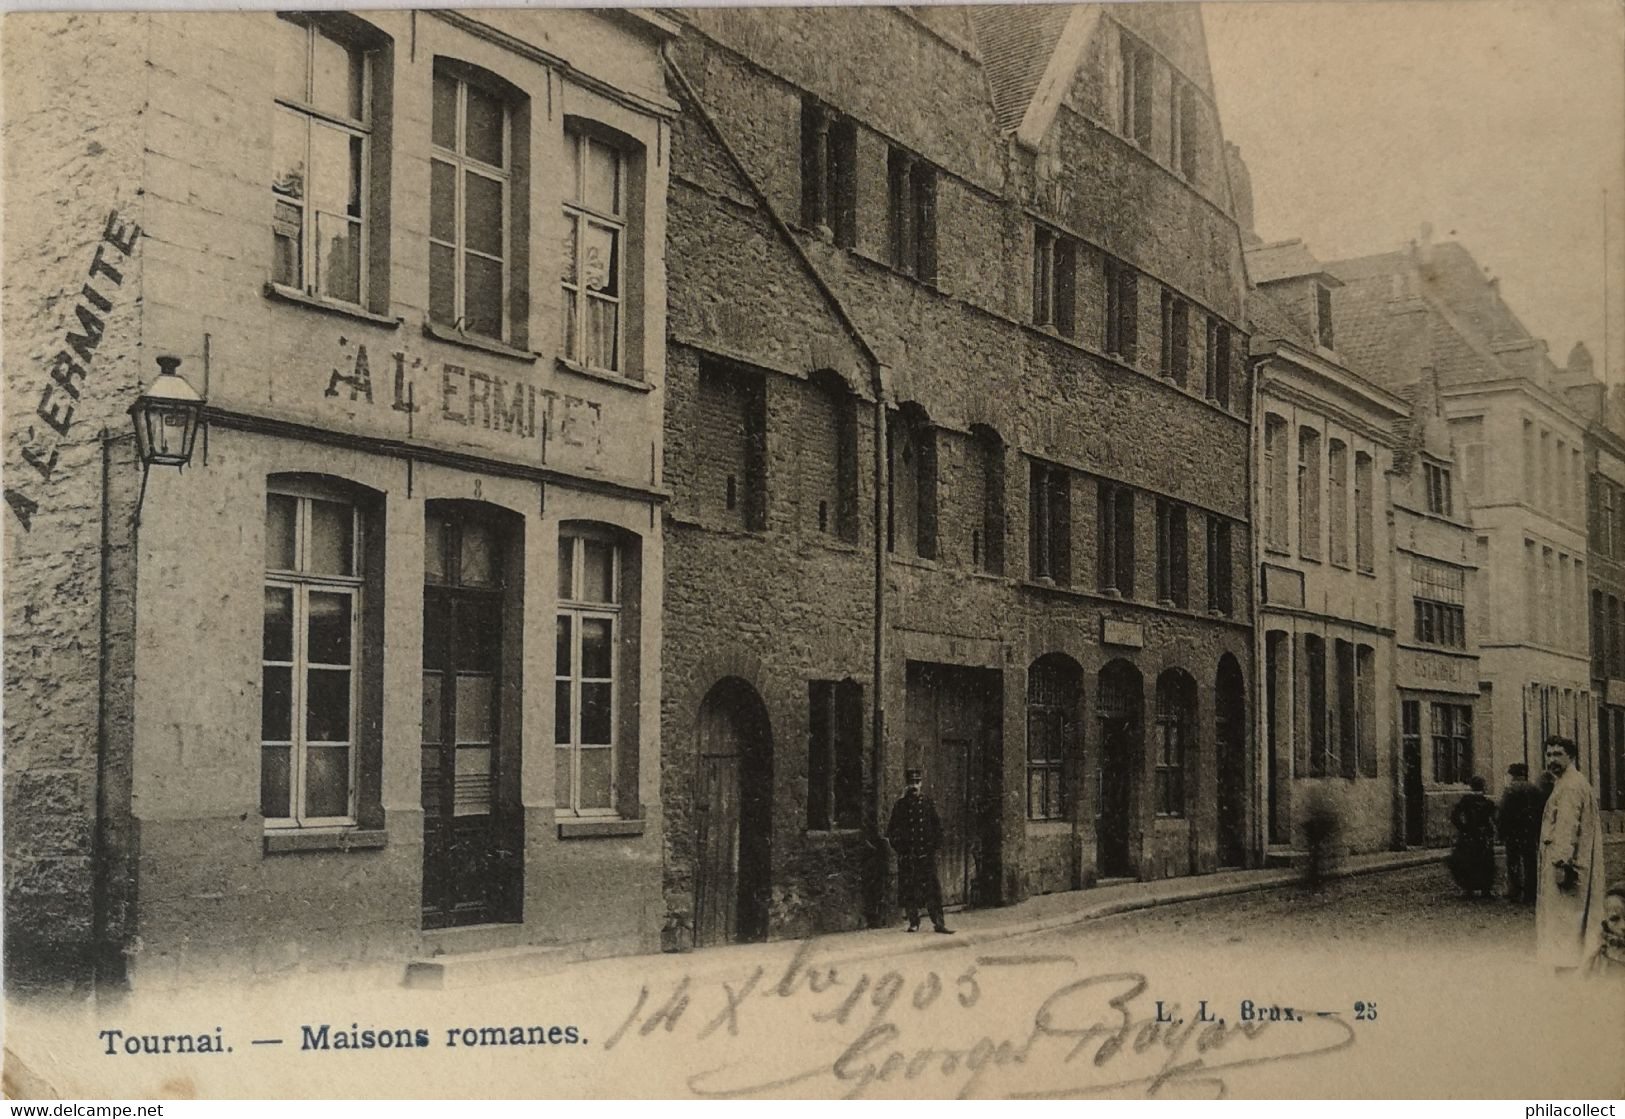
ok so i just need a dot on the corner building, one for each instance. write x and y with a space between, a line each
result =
376 675
957 438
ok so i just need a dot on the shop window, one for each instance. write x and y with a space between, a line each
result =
829 144
315 673
1053 688
1176 716
1049 509
1452 730
476 282
595 698
329 180
834 755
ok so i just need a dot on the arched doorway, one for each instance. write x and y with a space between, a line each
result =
1122 745
1230 734
733 799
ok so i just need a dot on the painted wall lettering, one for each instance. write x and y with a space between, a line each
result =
69 367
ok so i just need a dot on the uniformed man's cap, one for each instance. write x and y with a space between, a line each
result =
1518 769
913 776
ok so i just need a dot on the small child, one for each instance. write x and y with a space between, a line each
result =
1609 958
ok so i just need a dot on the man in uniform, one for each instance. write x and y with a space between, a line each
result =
1519 825
915 833
1569 886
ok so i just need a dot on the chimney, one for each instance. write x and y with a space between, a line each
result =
1580 366
1241 193
1424 245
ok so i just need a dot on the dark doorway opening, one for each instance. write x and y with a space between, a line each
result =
953 733
732 816
1230 717
1122 750
472 828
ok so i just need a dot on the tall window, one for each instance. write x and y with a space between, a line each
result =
1220 595
1322 762
912 209
911 514
1337 488
1122 310
470 174
1176 338
1055 263
1276 482
1052 728
1217 379
1135 107
1184 126
1308 493
310 661
1114 535
1050 523
1438 484
1176 716
834 755
1452 727
1365 687
1364 513
1438 595
1173 562
586 673
595 254
829 144
321 137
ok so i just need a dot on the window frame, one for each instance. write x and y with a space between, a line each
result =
1438 597
1122 310
462 165
1436 477
363 129
1176 338
577 213
828 173
1175 718
1049 508
301 584
911 215
1450 727
1055 770
578 609
1114 536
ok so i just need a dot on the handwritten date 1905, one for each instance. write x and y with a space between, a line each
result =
997 1025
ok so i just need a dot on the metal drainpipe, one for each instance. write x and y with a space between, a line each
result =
878 703
1260 783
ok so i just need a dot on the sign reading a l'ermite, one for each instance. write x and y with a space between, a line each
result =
437 393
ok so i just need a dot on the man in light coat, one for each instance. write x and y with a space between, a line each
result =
1569 887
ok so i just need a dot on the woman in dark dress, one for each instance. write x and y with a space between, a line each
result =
1472 862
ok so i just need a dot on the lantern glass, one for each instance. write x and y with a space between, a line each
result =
166 418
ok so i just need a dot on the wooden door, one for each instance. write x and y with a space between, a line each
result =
716 838
951 731
732 817
1232 766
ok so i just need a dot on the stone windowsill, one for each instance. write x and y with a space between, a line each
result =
283 840
587 827
475 342
331 306
604 375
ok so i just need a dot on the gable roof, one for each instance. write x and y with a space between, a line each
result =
1016 43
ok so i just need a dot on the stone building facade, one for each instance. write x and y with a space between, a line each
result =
377 675
1326 440
1427 317
957 438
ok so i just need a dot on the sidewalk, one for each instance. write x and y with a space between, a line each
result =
1038 914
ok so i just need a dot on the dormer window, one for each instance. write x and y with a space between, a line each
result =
1323 316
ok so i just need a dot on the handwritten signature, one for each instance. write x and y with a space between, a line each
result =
1087 1036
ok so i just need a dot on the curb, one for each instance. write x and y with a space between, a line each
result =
1132 904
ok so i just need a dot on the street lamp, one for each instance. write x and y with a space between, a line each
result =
166 418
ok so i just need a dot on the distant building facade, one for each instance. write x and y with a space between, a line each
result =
378 674
1427 316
